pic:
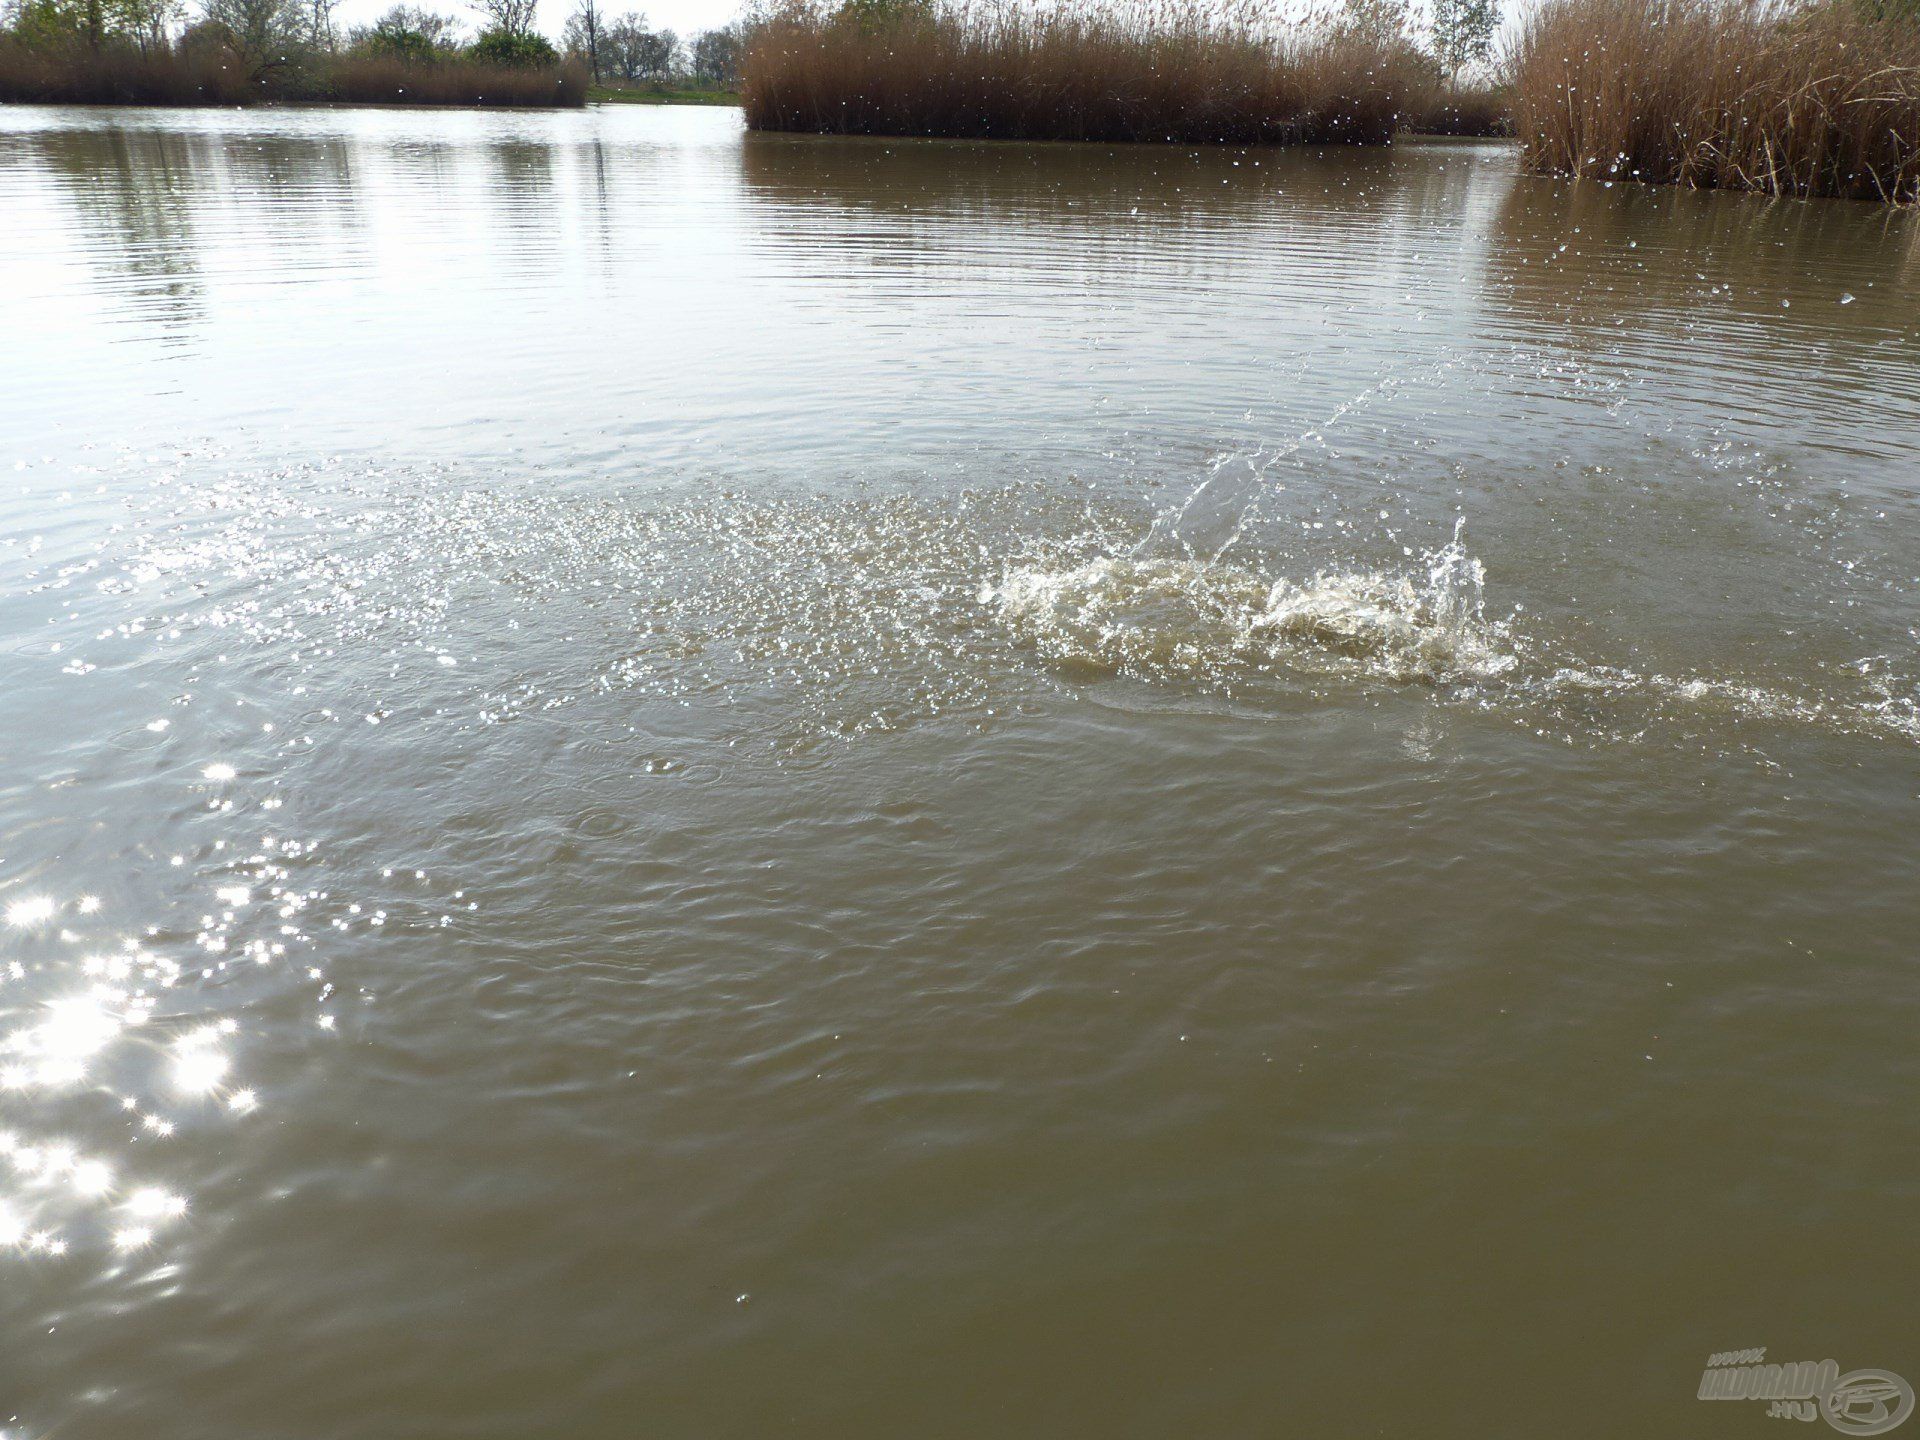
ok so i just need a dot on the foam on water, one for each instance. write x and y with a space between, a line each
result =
1181 619
1883 708
1164 617
823 617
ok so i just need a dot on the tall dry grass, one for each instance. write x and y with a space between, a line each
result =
1169 70
1739 94
1476 111
119 75
372 80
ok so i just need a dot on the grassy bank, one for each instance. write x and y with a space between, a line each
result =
1737 94
1173 72
117 75
667 94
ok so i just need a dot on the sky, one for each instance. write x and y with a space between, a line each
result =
684 17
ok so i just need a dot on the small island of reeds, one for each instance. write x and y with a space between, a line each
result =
1162 70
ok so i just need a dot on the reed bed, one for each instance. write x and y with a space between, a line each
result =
117 75
372 80
1736 94
1447 111
1170 72
121 75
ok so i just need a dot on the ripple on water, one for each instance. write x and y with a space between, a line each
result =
601 824
796 623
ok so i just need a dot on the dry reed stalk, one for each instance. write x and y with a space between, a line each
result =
1165 70
1739 94
372 80
119 75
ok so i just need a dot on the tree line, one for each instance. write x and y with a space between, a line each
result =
274 35
625 47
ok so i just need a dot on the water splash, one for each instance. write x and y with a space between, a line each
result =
1219 625
1883 708
1168 618
831 618
1211 520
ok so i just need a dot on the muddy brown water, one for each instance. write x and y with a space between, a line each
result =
668 783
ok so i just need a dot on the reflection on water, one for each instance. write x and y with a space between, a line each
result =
135 192
1654 276
660 781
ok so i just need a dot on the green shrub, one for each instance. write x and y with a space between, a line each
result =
391 41
511 51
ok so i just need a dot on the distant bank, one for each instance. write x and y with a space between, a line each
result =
662 94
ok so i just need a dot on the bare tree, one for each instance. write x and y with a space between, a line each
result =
656 54
585 35
623 41
506 17
716 56
634 52
149 23
262 32
321 33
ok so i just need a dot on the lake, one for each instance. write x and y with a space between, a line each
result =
663 782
